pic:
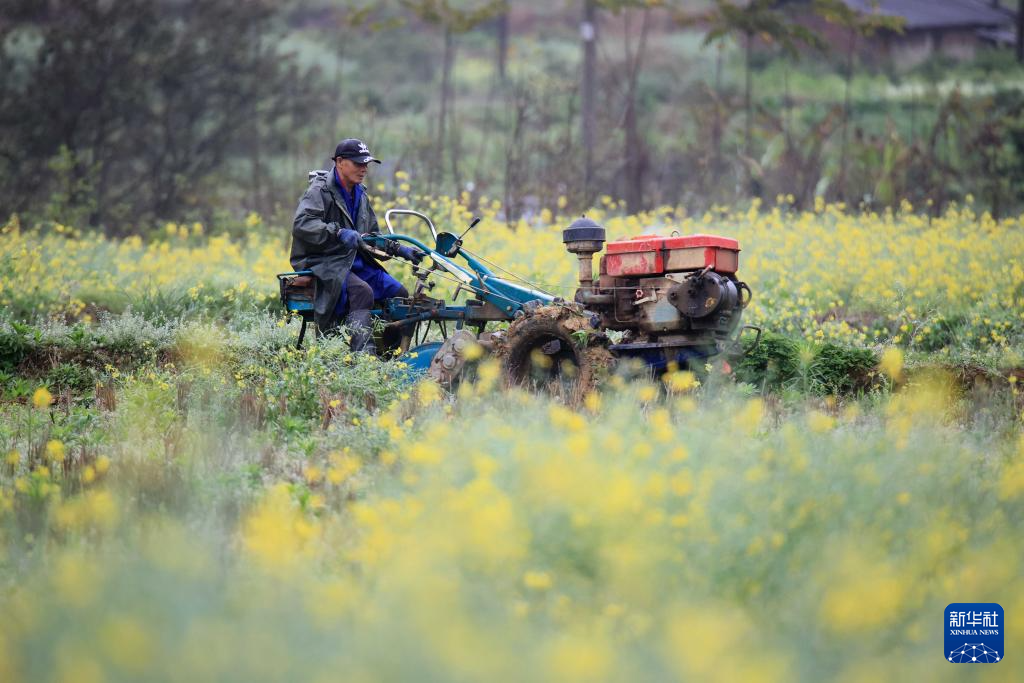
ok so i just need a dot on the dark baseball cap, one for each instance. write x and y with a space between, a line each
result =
353 149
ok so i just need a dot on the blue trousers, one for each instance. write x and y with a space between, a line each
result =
366 284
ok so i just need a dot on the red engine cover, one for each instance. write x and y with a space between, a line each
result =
657 254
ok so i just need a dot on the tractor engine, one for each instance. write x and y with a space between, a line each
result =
677 297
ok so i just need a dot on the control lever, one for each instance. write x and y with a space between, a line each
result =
421 273
422 283
476 219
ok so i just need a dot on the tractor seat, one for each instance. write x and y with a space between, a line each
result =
295 289
298 289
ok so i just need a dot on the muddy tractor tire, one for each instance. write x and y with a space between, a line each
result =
554 350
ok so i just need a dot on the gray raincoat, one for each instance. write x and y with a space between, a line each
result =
315 246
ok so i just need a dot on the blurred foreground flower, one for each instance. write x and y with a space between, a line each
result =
55 450
892 363
42 398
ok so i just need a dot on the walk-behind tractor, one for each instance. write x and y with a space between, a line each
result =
663 301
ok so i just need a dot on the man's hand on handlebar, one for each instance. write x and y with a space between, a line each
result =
348 237
393 248
410 254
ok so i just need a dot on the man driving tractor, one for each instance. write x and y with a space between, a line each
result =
332 215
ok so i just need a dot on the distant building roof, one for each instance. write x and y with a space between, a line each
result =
932 14
1006 35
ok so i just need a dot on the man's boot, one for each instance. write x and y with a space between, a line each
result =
328 328
358 324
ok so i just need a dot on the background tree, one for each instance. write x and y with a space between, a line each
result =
856 25
501 29
138 104
124 114
634 47
452 17
766 20
70 100
1020 31
588 85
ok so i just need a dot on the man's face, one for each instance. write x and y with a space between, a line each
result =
350 172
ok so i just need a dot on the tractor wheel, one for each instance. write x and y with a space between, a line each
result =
546 351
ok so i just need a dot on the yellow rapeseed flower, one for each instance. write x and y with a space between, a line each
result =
892 363
55 450
76 579
866 594
1011 483
576 657
680 381
276 534
647 393
428 392
126 641
537 580
819 422
681 483
42 398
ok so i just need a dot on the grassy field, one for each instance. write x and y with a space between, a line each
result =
184 496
